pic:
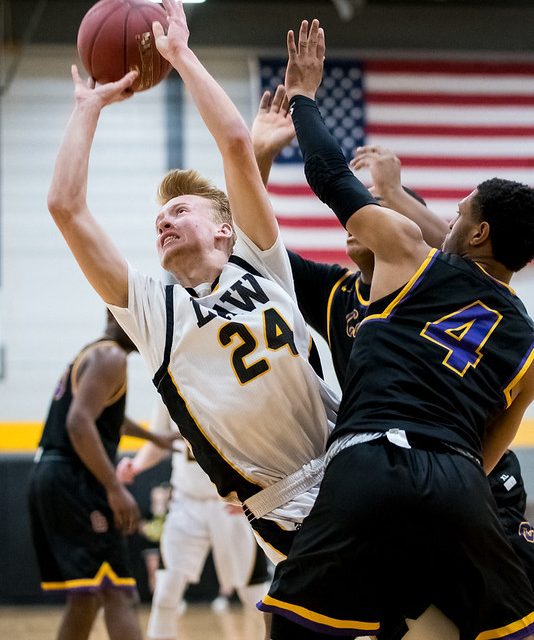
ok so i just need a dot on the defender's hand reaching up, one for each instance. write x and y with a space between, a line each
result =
272 129
305 64
177 37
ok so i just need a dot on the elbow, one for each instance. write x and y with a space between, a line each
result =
63 206
57 206
75 425
408 235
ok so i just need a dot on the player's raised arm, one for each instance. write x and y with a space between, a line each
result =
397 242
99 259
249 203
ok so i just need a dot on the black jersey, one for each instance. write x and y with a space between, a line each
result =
108 423
333 301
439 357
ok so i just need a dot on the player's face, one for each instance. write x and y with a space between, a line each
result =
461 227
185 223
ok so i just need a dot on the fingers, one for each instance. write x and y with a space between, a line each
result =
170 6
291 45
125 83
321 44
285 104
278 99
75 74
265 101
174 8
128 520
313 37
303 37
311 40
157 29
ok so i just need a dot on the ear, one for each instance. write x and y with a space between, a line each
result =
481 234
225 230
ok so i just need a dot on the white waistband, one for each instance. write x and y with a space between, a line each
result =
350 439
281 492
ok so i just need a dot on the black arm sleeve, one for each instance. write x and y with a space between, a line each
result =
325 165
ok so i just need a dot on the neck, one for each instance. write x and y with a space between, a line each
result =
195 271
494 269
366 275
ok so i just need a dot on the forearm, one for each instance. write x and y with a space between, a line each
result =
216 109
68 189
148 456
265 163
84 437
325 165
134 430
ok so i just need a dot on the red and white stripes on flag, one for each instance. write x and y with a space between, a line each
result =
453 123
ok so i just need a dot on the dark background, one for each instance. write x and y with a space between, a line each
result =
20 583
505 25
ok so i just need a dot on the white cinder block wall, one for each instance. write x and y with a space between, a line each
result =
48 311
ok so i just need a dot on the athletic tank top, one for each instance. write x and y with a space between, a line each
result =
109 422
440 356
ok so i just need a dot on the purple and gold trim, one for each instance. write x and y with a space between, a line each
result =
515 631
406 290
330 300
105 577
522 369
316 621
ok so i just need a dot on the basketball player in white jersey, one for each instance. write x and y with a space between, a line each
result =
228 348
197 522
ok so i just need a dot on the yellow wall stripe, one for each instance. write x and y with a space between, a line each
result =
23 437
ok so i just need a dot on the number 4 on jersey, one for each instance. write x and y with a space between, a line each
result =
462 334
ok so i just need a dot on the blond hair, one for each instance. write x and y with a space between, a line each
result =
181 182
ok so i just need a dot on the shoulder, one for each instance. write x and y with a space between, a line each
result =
105 358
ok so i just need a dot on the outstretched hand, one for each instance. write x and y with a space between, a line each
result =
383 164
305 64
177 36
272 129
102 94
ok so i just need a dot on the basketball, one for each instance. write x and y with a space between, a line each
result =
115 36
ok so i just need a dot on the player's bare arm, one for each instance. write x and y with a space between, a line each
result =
101 375
98 257
502 431
385 169
272 129
397 242
162 441
244 185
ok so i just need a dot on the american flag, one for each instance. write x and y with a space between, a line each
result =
453 123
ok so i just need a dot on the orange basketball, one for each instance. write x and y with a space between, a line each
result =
115 36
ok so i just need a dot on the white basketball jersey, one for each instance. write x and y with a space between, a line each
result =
244 394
